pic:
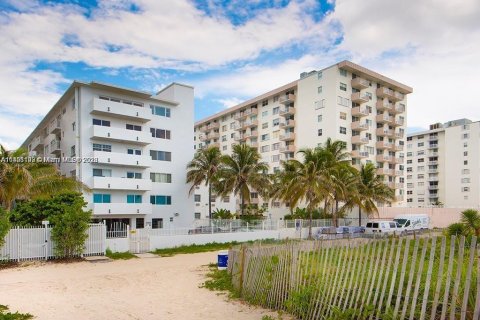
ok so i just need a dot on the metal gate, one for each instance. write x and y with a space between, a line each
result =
139 241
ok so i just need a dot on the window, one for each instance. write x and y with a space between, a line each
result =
465 136
420 144
136 152
160 133
343 116
319 90
466 171
74 126
465 162
102 172
265 113
343 72
409 154
276 110
161 200
319 75
343 101
101 198
320 104
265 148
157 223
197 215
275 122
224 148
102 147
133 127
319 118
98 122
275 98
343 130
161 155
420 160
134 198
265 103
465 189
409 161
465 153
224 128
465 180
134 175
226 199
319 132
224 138
197 197
276 146
139 223
265 125
276 158
232 125
265 137
73 103
72 151
160 111
343 86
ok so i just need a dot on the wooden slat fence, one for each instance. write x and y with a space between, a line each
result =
396 278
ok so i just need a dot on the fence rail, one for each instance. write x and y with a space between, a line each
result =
35 243
398 278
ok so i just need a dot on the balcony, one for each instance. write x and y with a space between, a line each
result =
433 170
433 187
359 154
360 112
433 154
384 158
54 127
120 208
287 99
399 108
399 172
287 148
384 92
385 172
213 144
287 111
383 145
211 126
399 198
111 183
399 185
122 159
398 122
360 140
246 124
246 113
287 124
253 144
251 134
359 97
359 83
433 163
38 144
384 118
390 184
360 126
432 146
384 132
120 110
433 196
121 135
384 106
399 135
397 147
240 137
287 137
398 160
55 147
399 96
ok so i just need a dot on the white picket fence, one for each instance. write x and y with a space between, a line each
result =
34 243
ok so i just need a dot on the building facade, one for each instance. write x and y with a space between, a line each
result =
346 102
443 165
129 147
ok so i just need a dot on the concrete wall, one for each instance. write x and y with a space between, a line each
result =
439 217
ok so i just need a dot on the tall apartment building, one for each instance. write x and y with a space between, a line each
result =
443 165
345 102
133 148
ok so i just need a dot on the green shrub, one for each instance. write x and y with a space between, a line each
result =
222 214
119 255
6 315
4 225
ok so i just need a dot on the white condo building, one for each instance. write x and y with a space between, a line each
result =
345 101
133 148
443 165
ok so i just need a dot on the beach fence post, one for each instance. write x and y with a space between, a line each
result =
242 268
45 244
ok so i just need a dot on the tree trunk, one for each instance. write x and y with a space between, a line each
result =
336 214
210 201
242 204
310 213
359 216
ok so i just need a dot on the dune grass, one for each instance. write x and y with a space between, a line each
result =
120 255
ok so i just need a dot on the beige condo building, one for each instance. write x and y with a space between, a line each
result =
443 165
345 101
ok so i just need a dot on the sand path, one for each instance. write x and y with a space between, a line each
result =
150 288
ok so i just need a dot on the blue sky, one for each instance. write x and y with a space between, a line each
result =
233 50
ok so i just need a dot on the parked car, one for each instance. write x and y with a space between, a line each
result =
412 222
384 227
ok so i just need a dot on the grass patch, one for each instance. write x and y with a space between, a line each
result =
7 315
212 246
194 248
220 280
120 255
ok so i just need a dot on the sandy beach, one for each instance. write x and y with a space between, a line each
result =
149 288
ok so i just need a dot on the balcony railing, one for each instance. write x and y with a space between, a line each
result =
384 106
121 110
360 112
287 123
122 159
360 126
121 135
384 118
287 148
287 99
360 83
287 111
383 145
359 97
287 136
360 140
384 158
246 113
385 171
118 183
359 154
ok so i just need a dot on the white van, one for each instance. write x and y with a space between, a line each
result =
411 222
380 226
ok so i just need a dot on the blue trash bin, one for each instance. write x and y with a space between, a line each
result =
222 260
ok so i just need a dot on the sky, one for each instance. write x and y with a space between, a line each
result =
233 50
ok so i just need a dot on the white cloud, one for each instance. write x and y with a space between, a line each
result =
230 102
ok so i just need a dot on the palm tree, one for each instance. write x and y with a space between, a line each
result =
304 181
471 220
371 189
29 180
343 181
203 169
242 172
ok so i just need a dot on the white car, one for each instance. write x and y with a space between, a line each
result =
382 227
411 222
